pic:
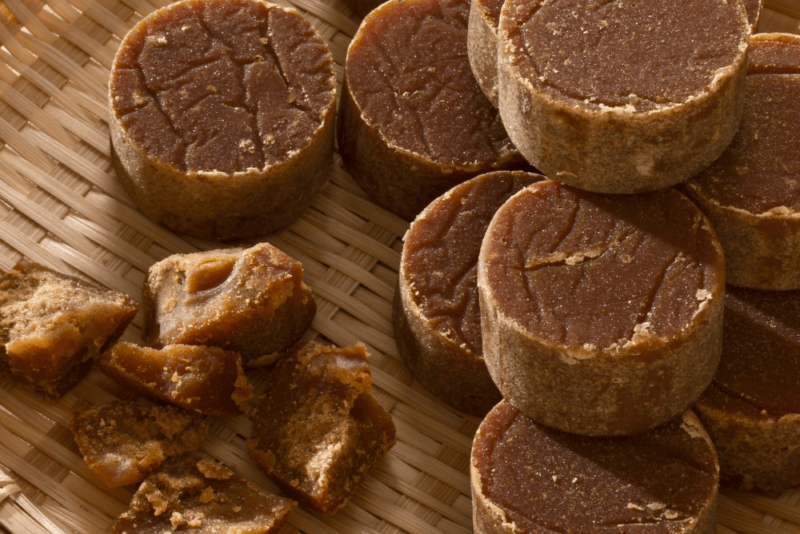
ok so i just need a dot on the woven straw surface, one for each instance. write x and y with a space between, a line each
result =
61 205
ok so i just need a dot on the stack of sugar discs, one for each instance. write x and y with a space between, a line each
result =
751 197
603 316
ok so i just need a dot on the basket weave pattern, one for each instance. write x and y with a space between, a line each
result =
61 205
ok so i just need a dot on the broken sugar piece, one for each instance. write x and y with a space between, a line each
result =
207 380
52 326
252 301
600 314
318 430
525 475
198 495
123 442
221 115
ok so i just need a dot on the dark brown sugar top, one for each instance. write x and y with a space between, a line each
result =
596 272
408 71
760 169
646 54
223 86
760 368
440 254
545 480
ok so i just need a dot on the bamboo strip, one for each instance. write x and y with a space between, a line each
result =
38 81
63 9
101 274
53 449
21 516
764 504
10 136
33 113
392 513
82 41
437 469
31 249
29 20
104 181
790 8
425 498
363 207
291 240
59 61
339 21
351 305
47 485
84 131
433 428
48 221
346 234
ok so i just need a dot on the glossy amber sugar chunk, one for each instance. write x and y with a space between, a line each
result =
123 442
52 326
251 301
193 494
208 380
318 430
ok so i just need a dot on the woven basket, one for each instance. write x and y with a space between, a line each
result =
60 205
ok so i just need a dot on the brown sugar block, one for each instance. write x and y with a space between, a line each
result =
752 408
207 380
437 319
621 97
52 326
318 430
193 494
484 16
123 442
527 478
752 192
413 121
221 116
601 314
252 301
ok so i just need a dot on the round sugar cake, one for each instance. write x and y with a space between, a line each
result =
621 97
221 116
437 319
752 192
530 479
601 314
413 122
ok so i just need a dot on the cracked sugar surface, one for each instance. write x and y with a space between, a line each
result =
574 267
222 86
